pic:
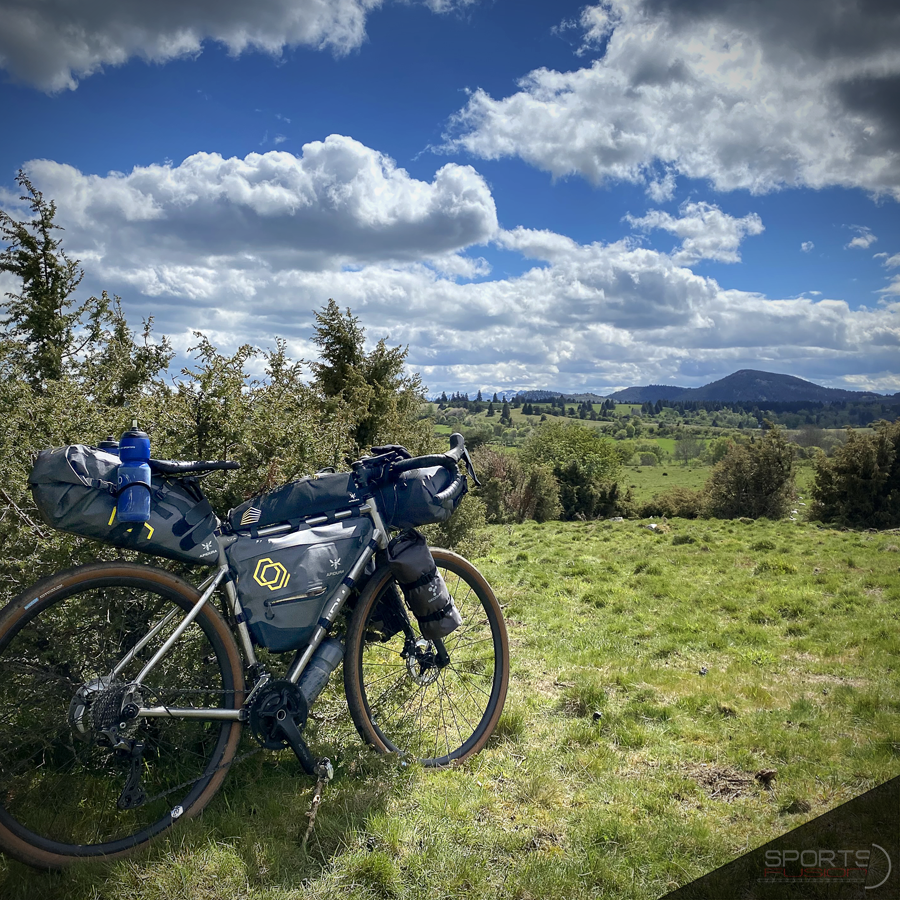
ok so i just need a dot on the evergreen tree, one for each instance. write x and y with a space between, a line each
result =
372 388
490 410
478 398
505 414
496 399
42 321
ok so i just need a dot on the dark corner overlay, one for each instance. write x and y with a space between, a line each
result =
849 853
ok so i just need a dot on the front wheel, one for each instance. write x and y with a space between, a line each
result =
66 793
400 697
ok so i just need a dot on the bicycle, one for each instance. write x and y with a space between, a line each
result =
124 691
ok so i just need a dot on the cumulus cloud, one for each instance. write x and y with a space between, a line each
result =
863 240
54 43
706 232
755 95
337 203
806 246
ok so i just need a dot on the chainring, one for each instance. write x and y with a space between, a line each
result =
273 702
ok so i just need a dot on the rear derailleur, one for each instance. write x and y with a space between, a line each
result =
103 711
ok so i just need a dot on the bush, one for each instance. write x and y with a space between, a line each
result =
677 502
754 480
513 492
583 497
860 485
585 465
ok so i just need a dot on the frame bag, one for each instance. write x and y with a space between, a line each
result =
412 565
74 488
285 582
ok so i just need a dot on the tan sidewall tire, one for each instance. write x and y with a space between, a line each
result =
15 610
453 562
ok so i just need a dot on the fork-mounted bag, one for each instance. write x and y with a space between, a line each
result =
412 565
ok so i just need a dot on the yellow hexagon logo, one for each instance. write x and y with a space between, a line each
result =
271 574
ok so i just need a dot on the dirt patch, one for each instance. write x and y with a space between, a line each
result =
543 839
721 782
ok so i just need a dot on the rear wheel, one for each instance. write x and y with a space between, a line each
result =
400 698
65 793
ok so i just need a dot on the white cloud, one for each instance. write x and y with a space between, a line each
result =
246 249
661 189
806 246
706 232
55 43
863 240
891 262
338 203
708 91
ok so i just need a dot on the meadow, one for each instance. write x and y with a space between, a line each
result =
677 698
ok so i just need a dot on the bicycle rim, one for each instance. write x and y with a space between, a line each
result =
60 790
439 716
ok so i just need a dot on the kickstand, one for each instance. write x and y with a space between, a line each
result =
325 771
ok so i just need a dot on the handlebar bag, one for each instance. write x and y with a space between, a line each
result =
74 489
323 493
411 501
412 566
285 582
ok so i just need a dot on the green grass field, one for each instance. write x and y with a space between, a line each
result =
645 481
619 769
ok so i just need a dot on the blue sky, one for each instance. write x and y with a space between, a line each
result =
528 194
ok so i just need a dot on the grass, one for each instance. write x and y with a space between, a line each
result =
653 675
645 481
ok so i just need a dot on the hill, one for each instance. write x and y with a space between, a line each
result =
743 386
750 386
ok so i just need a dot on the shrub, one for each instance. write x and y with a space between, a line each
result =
584 464
559 443
583 497
678 502
754 480
513 492
860 485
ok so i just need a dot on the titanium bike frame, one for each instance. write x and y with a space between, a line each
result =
379 540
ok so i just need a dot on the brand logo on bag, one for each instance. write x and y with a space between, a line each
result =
271 574
251 516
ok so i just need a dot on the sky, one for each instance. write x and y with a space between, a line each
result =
526 194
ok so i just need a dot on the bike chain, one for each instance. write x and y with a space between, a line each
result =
185 784
227 765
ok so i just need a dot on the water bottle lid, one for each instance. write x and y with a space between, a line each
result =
135 432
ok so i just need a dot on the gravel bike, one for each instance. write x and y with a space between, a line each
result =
124 690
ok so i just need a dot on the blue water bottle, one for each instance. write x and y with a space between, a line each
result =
134 476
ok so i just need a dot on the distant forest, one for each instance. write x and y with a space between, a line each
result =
792 414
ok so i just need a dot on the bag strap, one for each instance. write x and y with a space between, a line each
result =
421 581
87 481
445 610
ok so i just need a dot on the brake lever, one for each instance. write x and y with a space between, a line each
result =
470 467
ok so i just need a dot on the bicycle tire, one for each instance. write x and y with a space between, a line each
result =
442 716
59 788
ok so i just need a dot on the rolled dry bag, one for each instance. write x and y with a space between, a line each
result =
412 565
